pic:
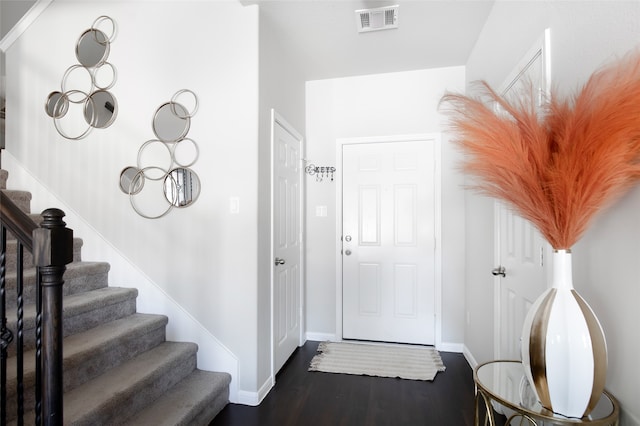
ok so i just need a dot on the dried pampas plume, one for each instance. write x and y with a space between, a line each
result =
558 164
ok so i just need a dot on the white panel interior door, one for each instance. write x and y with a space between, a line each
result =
388 241
287 234
521 249
522 255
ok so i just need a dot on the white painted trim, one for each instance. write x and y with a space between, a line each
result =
278 119
451 347
469 357
436 138
322 337
24 23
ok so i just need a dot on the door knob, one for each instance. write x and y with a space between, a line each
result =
499 271
347 252
279 261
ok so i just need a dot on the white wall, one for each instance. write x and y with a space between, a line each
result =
202 257
584 35
379 105
282 88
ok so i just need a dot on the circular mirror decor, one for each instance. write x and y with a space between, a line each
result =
90 81
171 122
178 186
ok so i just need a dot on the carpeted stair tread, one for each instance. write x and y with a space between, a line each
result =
79 277
123 391
93 344
81 312
194 401
12 249
22 199
3 178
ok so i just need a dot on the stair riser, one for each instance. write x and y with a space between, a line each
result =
27 259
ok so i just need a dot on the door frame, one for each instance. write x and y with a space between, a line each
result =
541 48
435 138
278 119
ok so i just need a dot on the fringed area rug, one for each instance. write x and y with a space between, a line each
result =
405 362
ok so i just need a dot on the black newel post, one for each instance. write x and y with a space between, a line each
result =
52 251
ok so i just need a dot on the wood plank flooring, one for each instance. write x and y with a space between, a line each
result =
308 398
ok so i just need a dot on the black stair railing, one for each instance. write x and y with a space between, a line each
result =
51 244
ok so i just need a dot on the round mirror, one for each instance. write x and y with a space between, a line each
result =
57 105
100 109
131 180
182 187
92 48
171 122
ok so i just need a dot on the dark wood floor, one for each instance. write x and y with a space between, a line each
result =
308 398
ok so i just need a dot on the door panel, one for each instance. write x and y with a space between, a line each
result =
388 241
287 245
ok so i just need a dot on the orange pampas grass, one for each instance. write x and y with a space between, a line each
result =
560 164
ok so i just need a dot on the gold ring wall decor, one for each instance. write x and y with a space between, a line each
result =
98 106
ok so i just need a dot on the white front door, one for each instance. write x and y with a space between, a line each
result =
287 241
388 224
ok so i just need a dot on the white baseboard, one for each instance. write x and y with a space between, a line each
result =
469 357
255 398
450 347
321 337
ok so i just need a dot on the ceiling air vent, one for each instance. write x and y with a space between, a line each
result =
381 18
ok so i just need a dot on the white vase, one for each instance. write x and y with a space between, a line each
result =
564 351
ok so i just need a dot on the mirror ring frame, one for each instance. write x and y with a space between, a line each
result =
65 95
165 171
64 83
99 20
175 147
95 73
141 172
174 100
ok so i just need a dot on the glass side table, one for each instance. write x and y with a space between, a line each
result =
502 385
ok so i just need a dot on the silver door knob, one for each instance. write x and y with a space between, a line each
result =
347 252
279 261
499 271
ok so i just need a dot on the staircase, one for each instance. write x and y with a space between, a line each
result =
118 367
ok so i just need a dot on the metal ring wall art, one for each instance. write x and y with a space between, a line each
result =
165 161
95 77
